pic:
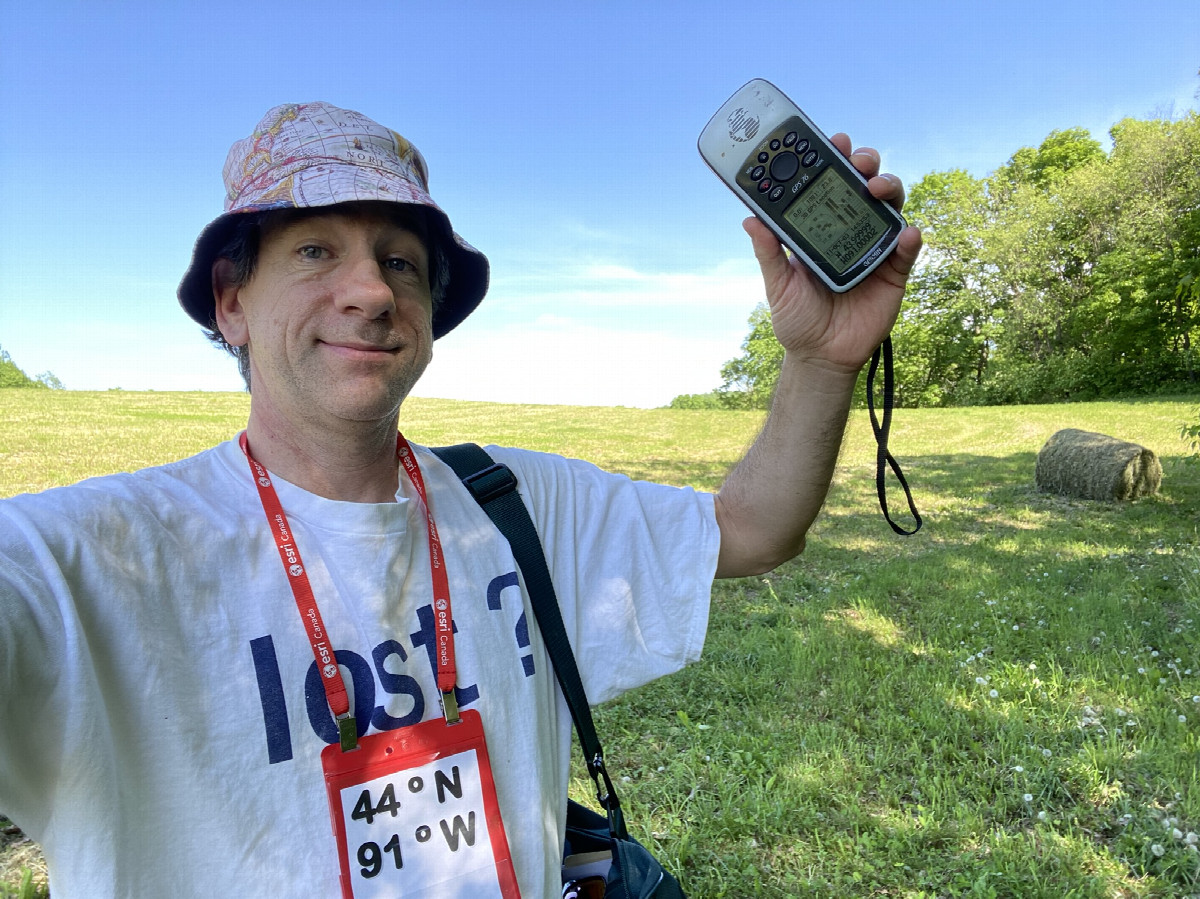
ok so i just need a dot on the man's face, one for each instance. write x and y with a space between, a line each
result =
337 316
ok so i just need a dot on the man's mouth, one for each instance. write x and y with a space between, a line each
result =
361 347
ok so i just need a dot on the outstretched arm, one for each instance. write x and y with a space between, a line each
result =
770 499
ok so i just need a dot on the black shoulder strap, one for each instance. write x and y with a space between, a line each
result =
494 487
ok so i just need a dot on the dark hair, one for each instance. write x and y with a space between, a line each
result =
245 234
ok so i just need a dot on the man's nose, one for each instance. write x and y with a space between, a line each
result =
363 286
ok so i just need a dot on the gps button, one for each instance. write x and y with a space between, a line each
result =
784 166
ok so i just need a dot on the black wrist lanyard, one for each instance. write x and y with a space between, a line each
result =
883 457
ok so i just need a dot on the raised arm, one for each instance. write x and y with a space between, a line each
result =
770 499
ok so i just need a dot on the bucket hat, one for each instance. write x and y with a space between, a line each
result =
304 155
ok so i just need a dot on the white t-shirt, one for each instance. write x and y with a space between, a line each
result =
161 720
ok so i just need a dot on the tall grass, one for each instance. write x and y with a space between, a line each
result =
1005 705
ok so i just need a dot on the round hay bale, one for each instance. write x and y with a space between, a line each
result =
1094 466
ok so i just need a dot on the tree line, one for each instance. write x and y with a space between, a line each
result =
12 376
1068 273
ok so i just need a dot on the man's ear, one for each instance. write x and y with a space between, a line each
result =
231 318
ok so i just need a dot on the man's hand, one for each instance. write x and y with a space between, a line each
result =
812 322
768 502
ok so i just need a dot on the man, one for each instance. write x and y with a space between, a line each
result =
165 730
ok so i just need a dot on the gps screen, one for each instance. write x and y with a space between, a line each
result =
832 217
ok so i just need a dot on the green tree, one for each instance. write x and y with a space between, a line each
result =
1045 245
944 333
1092 250
1155 263
748 382
1061 152
12 376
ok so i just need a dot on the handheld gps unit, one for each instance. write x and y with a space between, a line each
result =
786 170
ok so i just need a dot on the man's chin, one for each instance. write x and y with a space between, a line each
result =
368 400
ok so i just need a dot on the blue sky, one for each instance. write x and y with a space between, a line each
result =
561 140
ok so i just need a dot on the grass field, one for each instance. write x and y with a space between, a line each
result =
1005 705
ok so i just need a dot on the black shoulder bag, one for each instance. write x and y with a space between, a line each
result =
634 873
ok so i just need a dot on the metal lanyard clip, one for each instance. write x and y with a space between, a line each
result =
450 707
347 732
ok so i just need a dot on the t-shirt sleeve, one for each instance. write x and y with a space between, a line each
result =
32 634
632 564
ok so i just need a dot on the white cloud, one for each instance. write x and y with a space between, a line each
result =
608 284
560 361
556 338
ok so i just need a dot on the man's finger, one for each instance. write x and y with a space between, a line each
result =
767 248
889 188
866 160
908 248
777 267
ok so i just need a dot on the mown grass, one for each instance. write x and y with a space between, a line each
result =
1006 705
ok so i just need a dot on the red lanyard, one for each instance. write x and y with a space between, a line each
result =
443 623
306 602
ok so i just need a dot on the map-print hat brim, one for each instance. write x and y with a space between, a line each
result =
314 154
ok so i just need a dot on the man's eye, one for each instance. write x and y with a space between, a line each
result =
312 252
399 264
